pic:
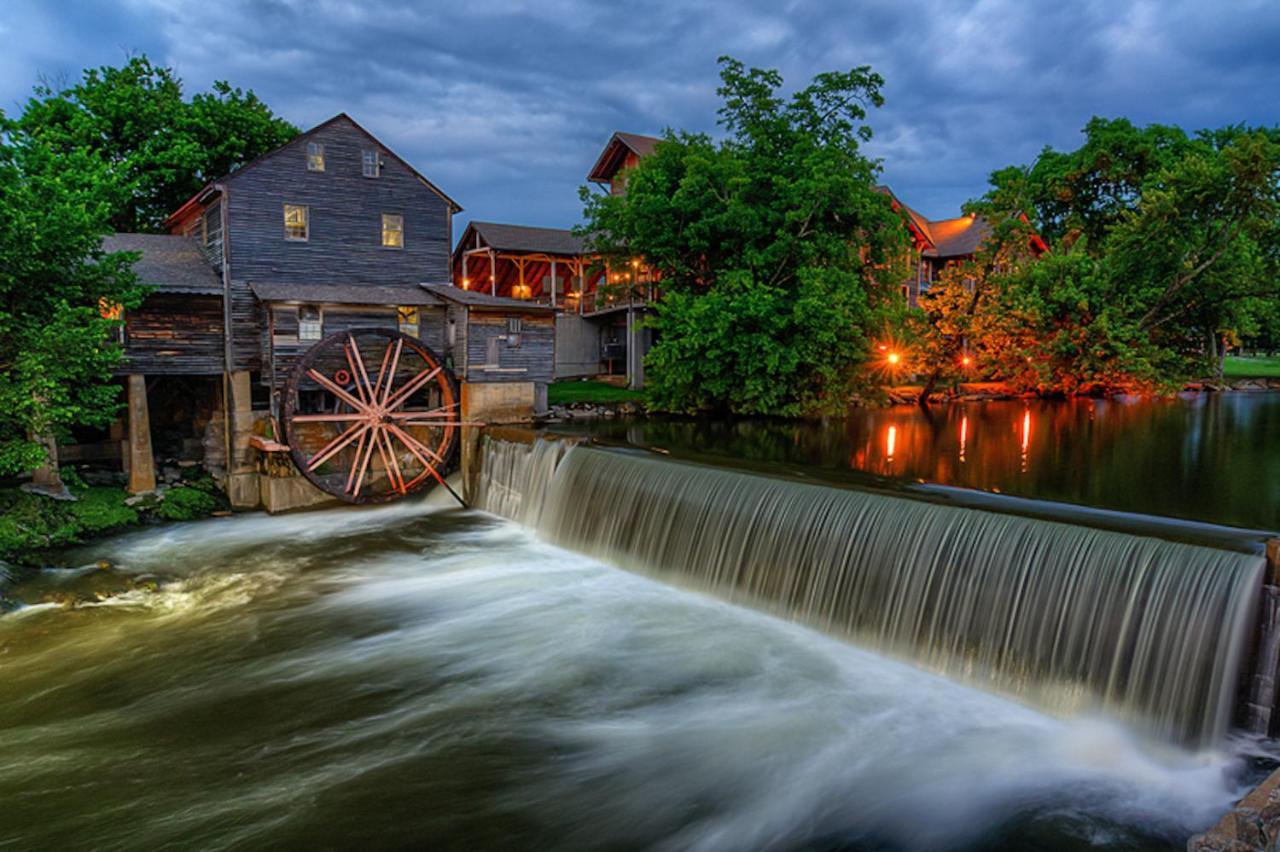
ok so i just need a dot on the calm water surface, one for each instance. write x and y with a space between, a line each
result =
1210 457
417 677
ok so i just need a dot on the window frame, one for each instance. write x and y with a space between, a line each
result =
306 222
366 155
318 323
400 230
409 328
315 156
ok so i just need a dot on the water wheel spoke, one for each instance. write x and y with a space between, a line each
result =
355 462
412 387
382 371
336 445
336 417
391 376
355 374
393 469
364 463
361 375
324 382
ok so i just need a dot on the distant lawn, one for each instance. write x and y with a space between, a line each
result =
1252 368
567 393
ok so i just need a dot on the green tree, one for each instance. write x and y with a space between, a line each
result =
776 254
56 354
158 148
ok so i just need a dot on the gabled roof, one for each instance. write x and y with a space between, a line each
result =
957 237
169 264
483 301
342 294
615 154
943 238
523 238
342 116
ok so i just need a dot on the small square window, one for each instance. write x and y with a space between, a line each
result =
310 323
408 319
393 230
296 222
315 157
514 327
370 163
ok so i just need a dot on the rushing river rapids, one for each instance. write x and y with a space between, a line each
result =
417 676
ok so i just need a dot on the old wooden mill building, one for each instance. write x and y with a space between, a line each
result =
330 233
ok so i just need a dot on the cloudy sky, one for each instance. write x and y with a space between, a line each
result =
506 104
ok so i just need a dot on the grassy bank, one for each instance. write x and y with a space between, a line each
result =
1252 368
34 527
590 393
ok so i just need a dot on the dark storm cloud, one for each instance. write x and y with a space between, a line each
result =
506 104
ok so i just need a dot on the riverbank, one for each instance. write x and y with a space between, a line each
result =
34 528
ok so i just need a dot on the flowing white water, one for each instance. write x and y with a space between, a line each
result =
427 678
1070 618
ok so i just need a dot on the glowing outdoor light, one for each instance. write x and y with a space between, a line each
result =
894 358
966 360
466 282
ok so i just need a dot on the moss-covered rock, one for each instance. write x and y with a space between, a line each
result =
186 503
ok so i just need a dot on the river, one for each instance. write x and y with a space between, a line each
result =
419 676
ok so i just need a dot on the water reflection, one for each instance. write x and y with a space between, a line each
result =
1208 457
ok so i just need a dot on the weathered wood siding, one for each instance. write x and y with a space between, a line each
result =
174 335
344 217
533 360
286 349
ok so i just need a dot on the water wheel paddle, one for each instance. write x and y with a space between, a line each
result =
371 415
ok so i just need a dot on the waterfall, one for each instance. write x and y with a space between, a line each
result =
1071 618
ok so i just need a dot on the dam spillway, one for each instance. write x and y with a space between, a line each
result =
1073 619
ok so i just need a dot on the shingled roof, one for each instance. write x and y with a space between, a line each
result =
342 294
523 238
956 237
476 299
169 264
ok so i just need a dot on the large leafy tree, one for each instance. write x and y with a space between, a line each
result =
57 290
773 247
158 147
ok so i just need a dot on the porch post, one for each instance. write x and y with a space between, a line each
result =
493 272
142 463
553 282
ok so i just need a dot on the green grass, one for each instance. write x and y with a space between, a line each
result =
567 393
1252 368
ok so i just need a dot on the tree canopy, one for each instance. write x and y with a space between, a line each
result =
158 148
774 249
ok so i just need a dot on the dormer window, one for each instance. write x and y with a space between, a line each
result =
296 225
315 157
370 163
392 230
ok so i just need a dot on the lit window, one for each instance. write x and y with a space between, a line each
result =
310 325
408 318
369 165
295 222
315 157
393 230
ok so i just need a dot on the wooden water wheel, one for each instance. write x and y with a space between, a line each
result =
371 415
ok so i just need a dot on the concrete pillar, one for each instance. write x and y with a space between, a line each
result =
242 470
142 464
